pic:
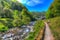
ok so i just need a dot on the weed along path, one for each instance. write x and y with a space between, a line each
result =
39 37
48 34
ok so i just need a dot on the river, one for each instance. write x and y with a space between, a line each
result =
19 34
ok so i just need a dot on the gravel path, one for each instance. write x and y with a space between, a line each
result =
48 34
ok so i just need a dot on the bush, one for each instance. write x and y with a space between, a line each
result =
3 27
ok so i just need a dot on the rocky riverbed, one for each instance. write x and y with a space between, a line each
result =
17 33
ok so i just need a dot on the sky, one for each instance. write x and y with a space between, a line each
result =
36 5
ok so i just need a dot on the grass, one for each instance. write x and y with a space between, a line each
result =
37 28
55 27
3 28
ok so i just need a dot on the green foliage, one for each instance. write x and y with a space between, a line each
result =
55 27
49 15
25 17
13 14
37 28
14 0
2 26
54 9
38 14
17 23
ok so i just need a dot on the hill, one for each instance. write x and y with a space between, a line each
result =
39 15
55 27
54 9
13 14
53 15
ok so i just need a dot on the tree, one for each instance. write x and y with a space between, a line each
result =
54 9
14 14
3 27
17 23
24 16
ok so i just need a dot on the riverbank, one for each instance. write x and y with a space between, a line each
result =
18 33
39 25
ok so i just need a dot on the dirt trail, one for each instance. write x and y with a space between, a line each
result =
39 37
48 34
